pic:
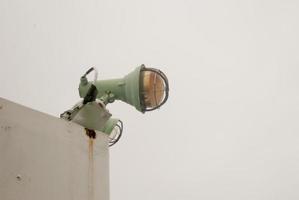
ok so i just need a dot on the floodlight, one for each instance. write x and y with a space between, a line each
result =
145 88
113 128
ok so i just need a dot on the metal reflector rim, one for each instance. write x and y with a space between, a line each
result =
113 141
166 85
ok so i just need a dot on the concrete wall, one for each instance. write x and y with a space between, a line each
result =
44 157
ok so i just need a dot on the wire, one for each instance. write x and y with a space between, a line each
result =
95 73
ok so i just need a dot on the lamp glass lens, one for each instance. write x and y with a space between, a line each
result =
153 89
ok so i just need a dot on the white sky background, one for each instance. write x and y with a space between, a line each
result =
230 127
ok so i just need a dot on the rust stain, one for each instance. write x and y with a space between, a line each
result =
91 135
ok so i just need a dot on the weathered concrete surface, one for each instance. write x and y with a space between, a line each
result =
43 157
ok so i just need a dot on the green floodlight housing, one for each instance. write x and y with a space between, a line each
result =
145 88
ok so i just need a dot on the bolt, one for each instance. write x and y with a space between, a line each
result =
19 178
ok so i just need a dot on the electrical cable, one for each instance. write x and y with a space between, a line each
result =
95 73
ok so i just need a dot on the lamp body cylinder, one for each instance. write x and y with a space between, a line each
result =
126 89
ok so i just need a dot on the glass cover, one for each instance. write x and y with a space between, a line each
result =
153 89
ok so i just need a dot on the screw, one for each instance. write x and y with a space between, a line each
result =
19 178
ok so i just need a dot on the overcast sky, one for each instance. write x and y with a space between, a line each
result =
230 127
